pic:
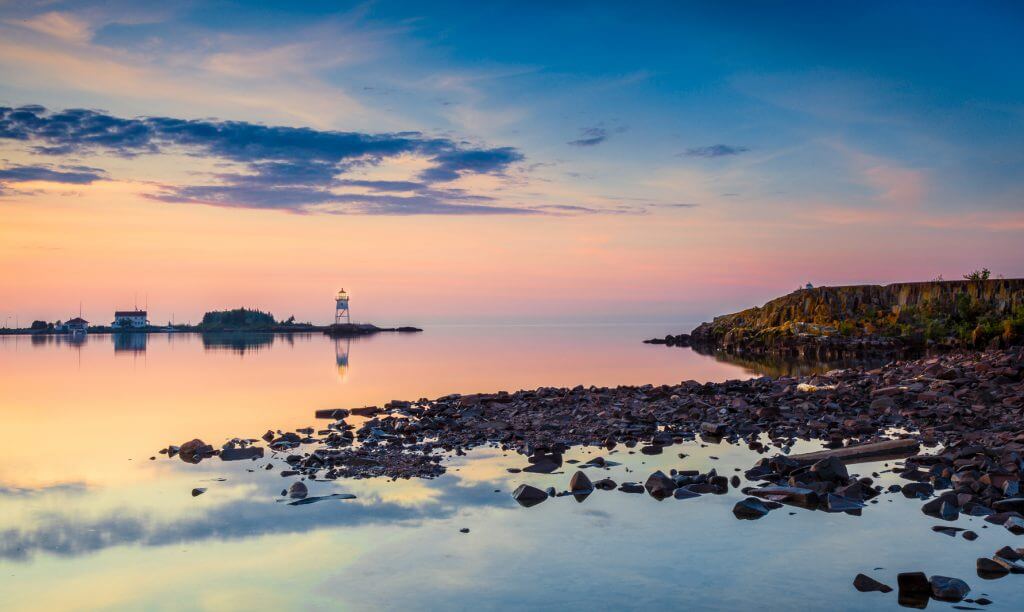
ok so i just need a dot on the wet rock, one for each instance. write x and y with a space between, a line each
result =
528 496
713 429
945 588
838 503
605 484
990 570
796 495
239 454
830 469
298 490
659 485
970 535
866 584
631 487
917 489
464 530
684 493
749 509
914 589
580 483
195 451
198 491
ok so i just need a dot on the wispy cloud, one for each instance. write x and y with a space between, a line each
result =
74 175
717 150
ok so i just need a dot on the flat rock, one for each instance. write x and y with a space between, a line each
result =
867 584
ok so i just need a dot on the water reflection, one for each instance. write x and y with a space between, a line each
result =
129 342
243 342
785 365
341 350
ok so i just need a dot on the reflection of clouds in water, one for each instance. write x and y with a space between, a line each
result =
65 534
61 487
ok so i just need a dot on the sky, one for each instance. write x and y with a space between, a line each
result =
500 162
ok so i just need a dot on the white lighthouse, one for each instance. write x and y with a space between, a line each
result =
341 307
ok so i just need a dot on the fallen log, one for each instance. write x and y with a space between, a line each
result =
863 452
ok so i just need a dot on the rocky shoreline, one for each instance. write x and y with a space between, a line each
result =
870 320
969 403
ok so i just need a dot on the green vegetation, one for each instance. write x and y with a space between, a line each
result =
239 318
978 275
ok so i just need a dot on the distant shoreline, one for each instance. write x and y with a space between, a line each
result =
334 331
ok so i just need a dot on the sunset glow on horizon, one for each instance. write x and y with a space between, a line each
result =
669 166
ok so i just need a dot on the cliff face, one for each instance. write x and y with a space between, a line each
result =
956 312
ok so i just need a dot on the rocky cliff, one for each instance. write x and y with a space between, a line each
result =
875 317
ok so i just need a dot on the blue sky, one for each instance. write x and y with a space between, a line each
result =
796 133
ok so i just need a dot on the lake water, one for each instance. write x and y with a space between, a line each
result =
89 521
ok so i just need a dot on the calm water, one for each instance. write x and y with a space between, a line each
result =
88 521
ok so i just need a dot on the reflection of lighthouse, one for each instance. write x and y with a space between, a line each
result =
341 347
341 307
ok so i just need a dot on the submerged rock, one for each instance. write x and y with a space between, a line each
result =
749 509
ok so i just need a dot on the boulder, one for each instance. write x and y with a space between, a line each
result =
298 490
830 469
659 485
750 509
580 483
528 496
945 588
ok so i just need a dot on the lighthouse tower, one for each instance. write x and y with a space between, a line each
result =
341 307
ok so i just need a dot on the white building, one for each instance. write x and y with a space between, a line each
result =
78 325
130 319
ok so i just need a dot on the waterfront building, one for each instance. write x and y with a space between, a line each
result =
130 319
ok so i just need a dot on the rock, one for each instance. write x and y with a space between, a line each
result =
948 512
830 469
239 454
195 451
749 509
920 490
838 503
713 429
796 495
970 535
198 491
528 496
684 493
464 530
914 589
866 584
298 490
605 484
659 485
1014 525
913 582
945 588
580 483
631 487
990 570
